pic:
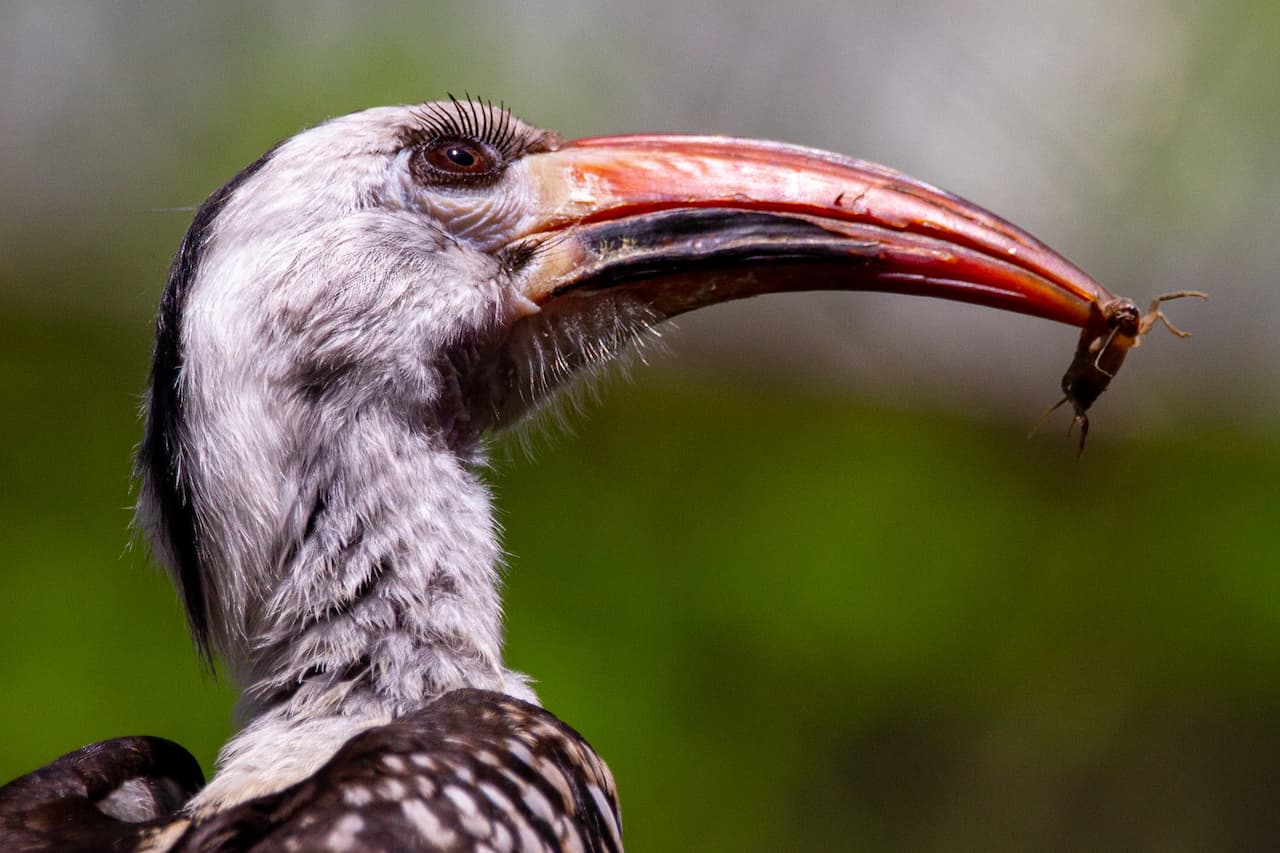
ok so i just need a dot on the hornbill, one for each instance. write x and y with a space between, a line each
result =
345 323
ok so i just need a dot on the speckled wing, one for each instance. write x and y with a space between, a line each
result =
115 795
474 770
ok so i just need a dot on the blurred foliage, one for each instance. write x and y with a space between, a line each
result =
787 620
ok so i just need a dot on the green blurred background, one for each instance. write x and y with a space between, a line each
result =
803 581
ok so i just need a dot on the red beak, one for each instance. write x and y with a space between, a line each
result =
688 221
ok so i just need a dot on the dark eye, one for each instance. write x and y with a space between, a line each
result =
1125 319
447 160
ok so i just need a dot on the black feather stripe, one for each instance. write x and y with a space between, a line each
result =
159 460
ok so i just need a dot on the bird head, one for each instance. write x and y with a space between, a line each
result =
440 268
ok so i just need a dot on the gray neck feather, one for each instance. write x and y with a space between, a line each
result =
389 597
363 585
349 559
352 557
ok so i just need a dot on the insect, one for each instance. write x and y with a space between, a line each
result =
1103 345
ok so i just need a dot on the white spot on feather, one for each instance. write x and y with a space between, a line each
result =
357 795
428 824
538 804
345 832
460 798
392 789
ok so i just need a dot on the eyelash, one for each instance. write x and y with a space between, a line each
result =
471 119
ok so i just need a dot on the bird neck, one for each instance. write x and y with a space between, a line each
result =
387 596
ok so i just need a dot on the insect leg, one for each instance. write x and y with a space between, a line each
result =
1154 313
1044 415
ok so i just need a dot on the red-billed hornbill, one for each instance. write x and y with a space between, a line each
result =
346 321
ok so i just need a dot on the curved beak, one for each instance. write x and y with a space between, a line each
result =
688 221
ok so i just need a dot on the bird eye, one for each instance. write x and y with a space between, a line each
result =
459 156
446 160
